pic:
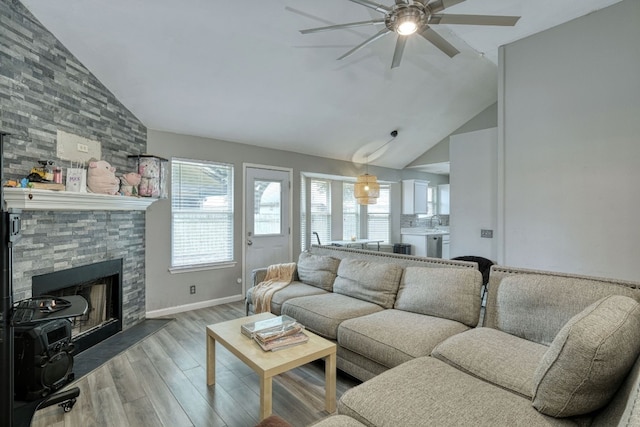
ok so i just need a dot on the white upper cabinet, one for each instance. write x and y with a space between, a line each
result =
414 197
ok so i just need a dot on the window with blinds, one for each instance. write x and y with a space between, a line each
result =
431 200
201 213
350 212
304 238
320 199
379 215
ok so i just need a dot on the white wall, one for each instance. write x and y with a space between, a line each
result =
570 126
473 195
168 292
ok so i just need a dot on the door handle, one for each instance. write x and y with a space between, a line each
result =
249 242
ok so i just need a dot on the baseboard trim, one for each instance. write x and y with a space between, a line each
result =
195 306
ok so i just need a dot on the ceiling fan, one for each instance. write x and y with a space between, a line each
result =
407 17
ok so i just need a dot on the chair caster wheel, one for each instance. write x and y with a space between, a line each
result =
68 405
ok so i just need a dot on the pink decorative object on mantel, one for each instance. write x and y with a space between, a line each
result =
101 178
153 171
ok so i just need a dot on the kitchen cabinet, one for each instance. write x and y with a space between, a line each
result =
446 254
426 243
443 199
414 197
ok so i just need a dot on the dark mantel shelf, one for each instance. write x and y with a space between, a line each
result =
49 200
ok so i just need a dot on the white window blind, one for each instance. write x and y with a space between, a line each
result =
378 216
201 213
431 200
320 210
304 238
350 212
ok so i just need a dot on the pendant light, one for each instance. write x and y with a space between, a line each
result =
367 188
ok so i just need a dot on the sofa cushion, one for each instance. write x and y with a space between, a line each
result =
317 270
536 306
375 282
494 356
294 290
450 293
428 392
391 337
323 314
589 359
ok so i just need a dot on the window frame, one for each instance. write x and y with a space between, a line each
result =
228 210
387 241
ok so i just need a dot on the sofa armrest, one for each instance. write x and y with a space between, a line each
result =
258 276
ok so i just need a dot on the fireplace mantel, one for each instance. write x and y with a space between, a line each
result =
49 200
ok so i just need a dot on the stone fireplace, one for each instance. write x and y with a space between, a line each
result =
55 243
101 285
49 90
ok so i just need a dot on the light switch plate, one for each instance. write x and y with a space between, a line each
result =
486 233
76 148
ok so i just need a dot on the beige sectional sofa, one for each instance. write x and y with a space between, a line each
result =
552 349
382 309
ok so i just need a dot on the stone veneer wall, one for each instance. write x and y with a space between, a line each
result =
44 88
54 241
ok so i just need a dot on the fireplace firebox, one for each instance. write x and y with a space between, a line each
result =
101 285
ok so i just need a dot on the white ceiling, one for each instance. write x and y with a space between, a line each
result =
241 71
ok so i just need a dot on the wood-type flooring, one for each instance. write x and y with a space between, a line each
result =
161 381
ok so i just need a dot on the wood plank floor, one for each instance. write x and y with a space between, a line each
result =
161 381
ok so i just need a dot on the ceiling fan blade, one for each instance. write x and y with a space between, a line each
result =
381 33
438 41
507 21
440 5
397 54
340 26
375 6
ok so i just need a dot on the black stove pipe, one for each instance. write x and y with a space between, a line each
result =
6 333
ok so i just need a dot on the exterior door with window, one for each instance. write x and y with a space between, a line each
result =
267 238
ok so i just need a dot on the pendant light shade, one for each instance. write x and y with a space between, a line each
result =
367 189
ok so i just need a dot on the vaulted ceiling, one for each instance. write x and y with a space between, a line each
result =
241 71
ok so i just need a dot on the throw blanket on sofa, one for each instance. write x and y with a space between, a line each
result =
278 276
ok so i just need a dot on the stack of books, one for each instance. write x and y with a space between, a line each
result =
276 334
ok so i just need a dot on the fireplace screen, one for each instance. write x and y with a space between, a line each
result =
101 285
100 312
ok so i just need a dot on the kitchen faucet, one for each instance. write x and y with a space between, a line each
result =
431 220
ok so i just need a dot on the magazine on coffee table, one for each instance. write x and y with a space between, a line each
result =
283 342
249 329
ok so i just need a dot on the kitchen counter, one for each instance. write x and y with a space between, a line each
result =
424 241
424 231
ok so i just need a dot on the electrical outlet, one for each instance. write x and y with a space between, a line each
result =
82 148
192 289
486 233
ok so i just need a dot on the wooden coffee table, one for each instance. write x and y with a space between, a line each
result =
267 364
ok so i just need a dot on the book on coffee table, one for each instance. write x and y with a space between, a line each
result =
283 342
249 329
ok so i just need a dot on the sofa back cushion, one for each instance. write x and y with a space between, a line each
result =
536 306
589 359
317 270
450 293
375 282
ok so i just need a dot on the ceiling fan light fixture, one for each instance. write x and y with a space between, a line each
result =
407 27
406 20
